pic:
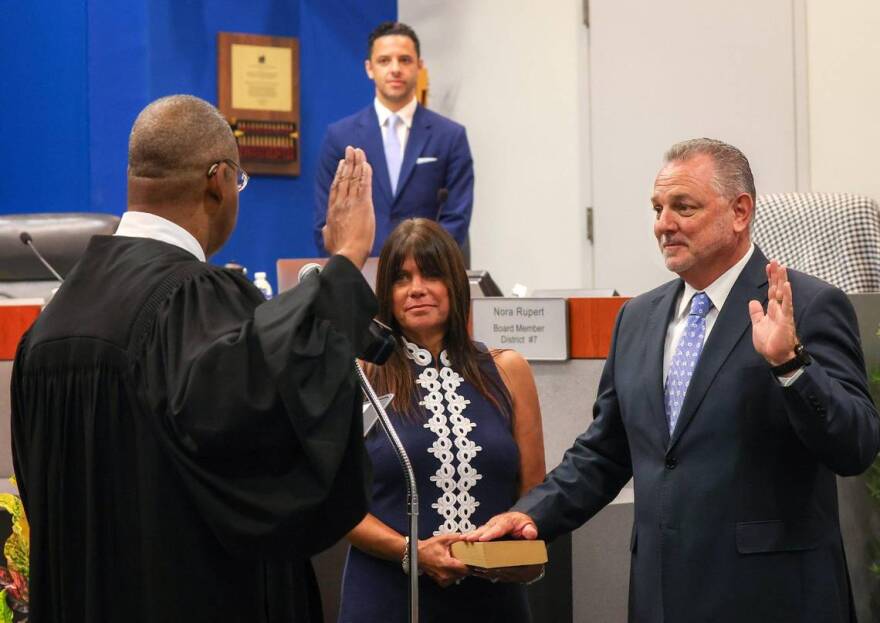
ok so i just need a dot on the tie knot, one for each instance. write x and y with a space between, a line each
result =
700 305
393 120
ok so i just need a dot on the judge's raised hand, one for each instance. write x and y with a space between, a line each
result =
773 332
351 222
511 524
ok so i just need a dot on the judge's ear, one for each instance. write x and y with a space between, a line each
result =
214 189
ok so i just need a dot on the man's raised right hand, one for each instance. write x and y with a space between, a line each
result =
351 222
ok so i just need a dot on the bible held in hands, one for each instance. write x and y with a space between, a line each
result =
496 554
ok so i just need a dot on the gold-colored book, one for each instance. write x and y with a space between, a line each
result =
495 554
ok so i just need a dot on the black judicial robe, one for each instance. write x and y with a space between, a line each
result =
181 446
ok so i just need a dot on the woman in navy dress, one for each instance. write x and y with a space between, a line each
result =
470 421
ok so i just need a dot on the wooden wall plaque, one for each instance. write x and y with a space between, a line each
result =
258 93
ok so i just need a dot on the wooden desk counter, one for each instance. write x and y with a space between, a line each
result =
590 325
16 317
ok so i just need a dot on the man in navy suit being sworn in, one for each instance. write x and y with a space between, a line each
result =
421 161
732 396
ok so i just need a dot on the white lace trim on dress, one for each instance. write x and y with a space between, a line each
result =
455 505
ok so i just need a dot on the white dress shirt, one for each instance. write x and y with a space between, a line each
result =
146 225
406 115
717 292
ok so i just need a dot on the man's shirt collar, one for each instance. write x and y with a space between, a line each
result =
406 113
147 225
718 290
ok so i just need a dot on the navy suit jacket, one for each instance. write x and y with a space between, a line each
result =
436 177
736 512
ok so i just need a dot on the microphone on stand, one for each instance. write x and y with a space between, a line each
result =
379 348
442 196
311 268
28 241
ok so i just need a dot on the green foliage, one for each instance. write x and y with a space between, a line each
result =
16 550
872 479
5 611
15 575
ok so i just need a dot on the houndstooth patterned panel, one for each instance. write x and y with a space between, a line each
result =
835 237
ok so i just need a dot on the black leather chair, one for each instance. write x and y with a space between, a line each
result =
61 238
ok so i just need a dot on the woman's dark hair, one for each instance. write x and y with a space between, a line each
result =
437 255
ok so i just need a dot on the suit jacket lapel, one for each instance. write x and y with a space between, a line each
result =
732 322
371 140
658 323
415 144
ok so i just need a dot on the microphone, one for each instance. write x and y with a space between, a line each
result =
442 196
27 241
381 341
307 269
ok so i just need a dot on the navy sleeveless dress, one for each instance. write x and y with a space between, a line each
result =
467 467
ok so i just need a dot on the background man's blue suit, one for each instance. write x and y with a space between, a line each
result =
736 514
441 189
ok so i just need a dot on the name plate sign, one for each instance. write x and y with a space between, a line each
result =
537 328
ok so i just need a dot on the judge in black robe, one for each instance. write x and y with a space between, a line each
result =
182 446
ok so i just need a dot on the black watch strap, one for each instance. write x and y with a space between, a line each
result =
801 358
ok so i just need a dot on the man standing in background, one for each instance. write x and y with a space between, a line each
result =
421 160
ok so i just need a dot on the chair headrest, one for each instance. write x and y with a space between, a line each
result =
60 237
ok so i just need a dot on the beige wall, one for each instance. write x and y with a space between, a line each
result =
844 95
561 117
515 74
663 72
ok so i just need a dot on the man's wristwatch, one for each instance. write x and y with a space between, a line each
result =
801 358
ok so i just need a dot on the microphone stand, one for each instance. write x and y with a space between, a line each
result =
27 241
381 347
412 494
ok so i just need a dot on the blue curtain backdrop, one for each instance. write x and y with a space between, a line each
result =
75 75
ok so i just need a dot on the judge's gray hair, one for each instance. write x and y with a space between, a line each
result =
733 175
178 135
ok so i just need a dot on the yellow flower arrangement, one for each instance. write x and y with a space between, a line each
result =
14 577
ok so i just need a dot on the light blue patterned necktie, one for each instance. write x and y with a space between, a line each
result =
687 353
393 157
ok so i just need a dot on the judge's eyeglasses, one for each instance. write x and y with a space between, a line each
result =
241 177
